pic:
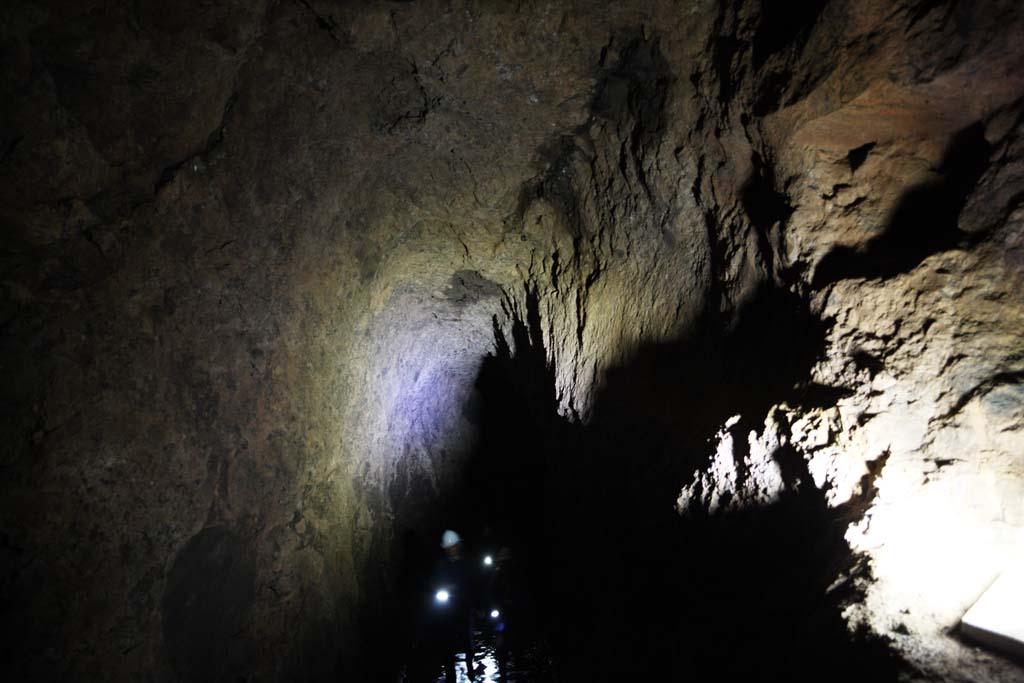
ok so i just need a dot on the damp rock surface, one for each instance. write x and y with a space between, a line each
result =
748 278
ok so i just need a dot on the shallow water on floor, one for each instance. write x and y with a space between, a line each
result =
523 665
485 664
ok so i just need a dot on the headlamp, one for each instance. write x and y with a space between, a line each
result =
441 596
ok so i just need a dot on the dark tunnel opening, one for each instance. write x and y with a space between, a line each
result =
615 583
500 506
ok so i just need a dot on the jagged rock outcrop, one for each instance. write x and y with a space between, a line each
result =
889 192
255 254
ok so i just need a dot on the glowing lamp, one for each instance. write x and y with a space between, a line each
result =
488 560
441 596
495 614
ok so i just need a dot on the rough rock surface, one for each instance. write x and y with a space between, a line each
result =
254 254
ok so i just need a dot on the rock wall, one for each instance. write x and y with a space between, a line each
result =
256 253
901 232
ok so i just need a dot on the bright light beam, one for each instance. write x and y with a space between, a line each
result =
997 618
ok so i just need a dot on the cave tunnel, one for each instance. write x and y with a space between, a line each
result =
699 323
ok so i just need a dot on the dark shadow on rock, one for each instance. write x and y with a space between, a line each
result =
519 429
784 27
625 586
632 91
925 220
210 590
672 397
764 205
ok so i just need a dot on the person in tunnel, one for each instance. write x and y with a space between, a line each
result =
457 585
497 602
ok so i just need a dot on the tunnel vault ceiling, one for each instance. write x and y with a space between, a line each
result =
254 254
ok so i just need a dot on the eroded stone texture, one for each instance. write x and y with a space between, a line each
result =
889 188
254 255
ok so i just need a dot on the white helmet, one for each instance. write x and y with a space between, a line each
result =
449 539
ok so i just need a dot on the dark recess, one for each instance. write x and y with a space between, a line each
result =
469 286
210 590
925 220
784 26
783 30
723 52
770 91
764 204
857 156
634 90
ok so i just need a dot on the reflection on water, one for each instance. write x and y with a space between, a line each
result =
485 661
525 660
486 669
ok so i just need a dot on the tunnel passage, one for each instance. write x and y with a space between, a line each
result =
619 583
249 261
499 505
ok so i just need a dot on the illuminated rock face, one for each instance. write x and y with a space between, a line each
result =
255 256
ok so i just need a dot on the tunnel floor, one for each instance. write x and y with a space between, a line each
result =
526 662
522 666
